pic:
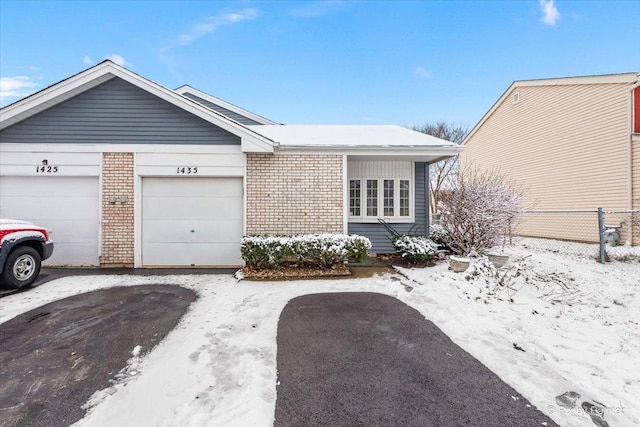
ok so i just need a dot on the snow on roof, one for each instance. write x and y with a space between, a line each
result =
378 136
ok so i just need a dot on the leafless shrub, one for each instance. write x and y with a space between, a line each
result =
478 210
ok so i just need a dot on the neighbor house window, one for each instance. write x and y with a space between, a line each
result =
355 199
373 198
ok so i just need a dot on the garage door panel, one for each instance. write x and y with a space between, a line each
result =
39 208
192 187
49 186
83 231
76 254
154 208
171 231
192 254
67 206
172 207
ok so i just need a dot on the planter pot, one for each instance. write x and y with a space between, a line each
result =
458 265
498 261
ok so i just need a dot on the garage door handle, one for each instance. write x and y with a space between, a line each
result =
193 231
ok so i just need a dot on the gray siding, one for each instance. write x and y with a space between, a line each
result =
116 112
231 114
378 234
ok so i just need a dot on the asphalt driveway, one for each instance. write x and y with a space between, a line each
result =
365 359
53 358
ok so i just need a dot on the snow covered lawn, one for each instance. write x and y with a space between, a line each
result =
218 367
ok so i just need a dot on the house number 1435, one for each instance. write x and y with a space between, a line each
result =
187 170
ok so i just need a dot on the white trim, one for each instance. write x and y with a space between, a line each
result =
106 70
244 198
345 196
119 148
137 216
100 211
364 218
224 104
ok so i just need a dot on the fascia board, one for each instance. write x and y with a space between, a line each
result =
55 94
229 106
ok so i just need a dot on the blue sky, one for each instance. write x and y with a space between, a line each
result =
324 62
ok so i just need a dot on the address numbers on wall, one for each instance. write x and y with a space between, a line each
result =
184 170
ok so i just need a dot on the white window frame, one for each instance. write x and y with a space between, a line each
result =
396 218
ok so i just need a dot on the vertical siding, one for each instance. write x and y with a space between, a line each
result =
566 143
116 112
215 107
378 234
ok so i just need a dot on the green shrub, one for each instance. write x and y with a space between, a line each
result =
322 250
415 249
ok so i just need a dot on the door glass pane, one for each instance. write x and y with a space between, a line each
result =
404 197
388 197
354 197
372 197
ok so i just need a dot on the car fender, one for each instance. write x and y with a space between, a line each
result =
9 244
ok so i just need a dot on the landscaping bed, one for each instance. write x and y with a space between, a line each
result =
301 272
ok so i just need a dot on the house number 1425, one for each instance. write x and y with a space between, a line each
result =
187 170
46 169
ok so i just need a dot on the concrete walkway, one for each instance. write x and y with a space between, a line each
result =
365 359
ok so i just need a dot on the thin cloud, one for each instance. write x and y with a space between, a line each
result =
421 72
318 8
16 87
117 59
211 24
550 13
87 60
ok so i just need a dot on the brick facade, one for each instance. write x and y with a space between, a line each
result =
292 194
117 210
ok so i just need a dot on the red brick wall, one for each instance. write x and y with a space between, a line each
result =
294 194
118 216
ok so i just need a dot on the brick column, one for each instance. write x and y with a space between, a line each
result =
294 194
117 210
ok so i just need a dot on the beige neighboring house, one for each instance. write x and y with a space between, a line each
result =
574 142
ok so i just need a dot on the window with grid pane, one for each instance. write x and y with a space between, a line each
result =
404 197
387 194
372 197
354 197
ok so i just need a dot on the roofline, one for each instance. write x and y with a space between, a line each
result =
106 70
622 78
229 106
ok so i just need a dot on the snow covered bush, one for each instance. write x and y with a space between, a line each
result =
323 250
479 210
439 235
415 249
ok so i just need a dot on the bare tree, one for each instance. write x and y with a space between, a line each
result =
442 175
479 209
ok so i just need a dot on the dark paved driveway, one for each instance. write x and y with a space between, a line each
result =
53 358
365 359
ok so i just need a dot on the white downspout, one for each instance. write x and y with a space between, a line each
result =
630 114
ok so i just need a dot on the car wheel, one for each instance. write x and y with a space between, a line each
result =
22 267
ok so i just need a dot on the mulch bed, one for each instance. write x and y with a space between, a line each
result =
298 272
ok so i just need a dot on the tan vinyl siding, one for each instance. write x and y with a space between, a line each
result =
566 143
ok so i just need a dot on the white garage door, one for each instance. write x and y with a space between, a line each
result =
191 221
67 206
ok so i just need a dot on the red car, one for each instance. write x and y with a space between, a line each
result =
23 247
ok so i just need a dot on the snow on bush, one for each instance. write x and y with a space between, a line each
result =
323 250
439 235
478 210
415 249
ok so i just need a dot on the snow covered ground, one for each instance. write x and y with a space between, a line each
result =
577 321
